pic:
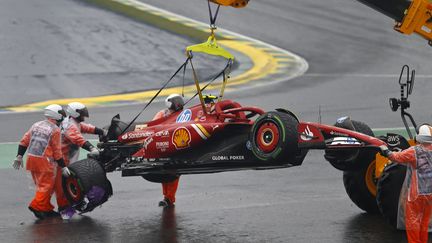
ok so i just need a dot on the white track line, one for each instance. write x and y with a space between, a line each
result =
359 75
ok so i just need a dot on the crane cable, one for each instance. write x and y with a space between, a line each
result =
183 66
213 17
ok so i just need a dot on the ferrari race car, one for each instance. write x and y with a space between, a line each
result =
217 136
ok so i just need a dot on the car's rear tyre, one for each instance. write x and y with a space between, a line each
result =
351 159
388 191
160 178
273 137
360 186
87 176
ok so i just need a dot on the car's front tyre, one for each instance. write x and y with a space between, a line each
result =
273 137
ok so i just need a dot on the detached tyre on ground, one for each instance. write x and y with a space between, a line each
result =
273 137
351 159
88 186
389 187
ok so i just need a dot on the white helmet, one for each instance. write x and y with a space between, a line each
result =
424 134
55 112
174 102
77 110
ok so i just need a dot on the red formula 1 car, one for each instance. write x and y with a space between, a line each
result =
206 138
217 136
198 141
213 137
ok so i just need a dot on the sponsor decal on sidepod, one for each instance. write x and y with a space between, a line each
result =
134 135
162 146
181 138
147 141
140 127
163 133
184 116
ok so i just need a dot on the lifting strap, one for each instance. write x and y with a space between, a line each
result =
223 72
183 79
183 66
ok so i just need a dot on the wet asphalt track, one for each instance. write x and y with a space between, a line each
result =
354 59
303 204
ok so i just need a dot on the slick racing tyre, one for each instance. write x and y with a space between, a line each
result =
351 159
87 181
388 191
160 178
273 137
360 186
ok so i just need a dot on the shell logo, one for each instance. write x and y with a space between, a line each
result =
181 138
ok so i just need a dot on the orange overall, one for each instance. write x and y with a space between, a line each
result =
419 201
72 138
169 189
43 145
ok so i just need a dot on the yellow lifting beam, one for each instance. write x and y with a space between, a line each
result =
211 47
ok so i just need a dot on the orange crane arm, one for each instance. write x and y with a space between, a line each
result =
418 19
411 16
233 3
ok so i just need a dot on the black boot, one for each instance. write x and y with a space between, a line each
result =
52 214
38 214
166 203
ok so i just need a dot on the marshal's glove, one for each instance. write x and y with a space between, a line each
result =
101 131
385 151
103 134
66 172
94 153
18 162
